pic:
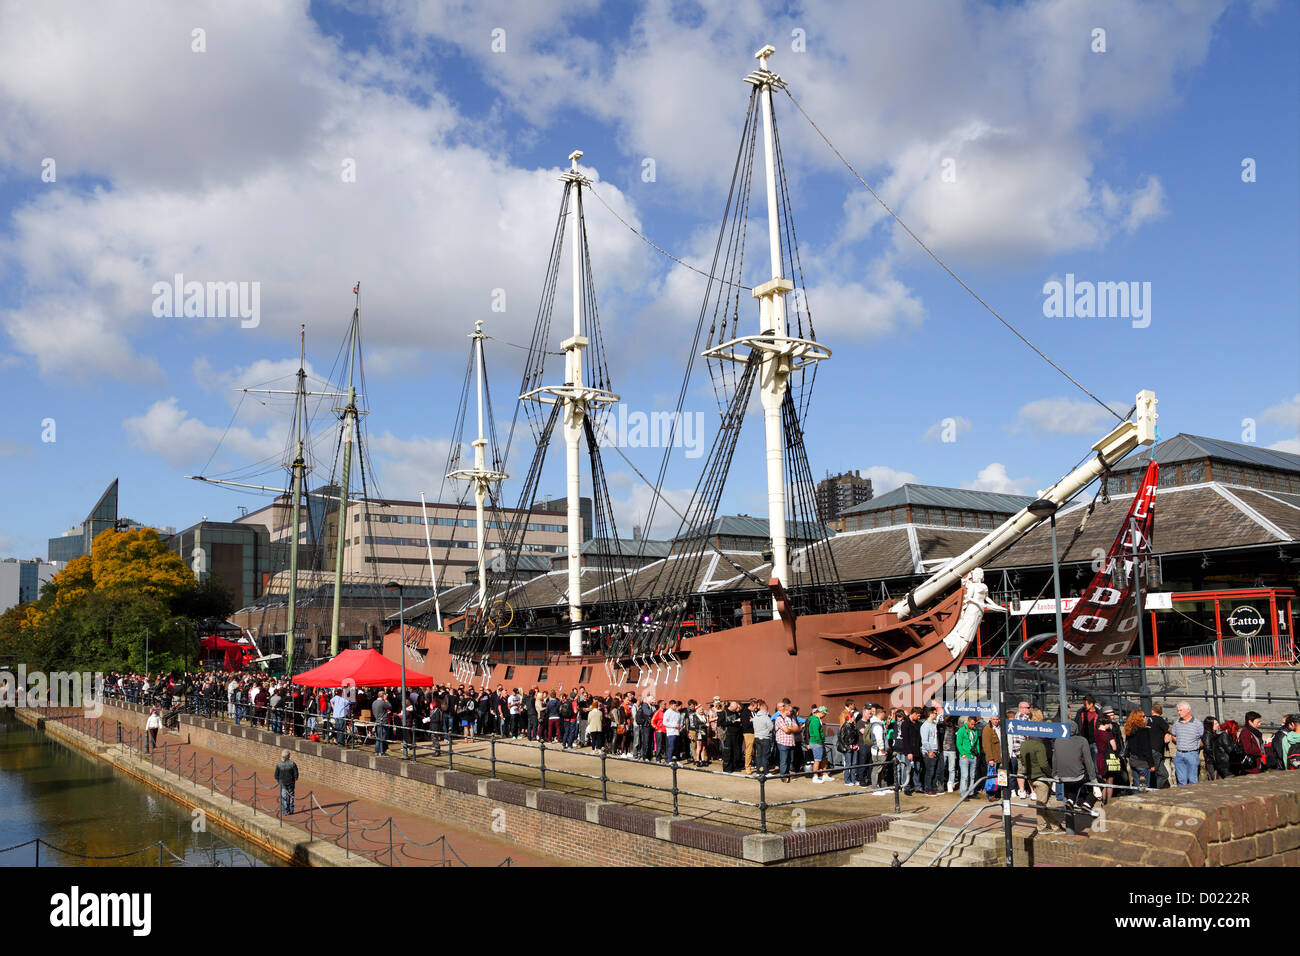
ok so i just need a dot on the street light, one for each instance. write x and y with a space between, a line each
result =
1045 508
401 617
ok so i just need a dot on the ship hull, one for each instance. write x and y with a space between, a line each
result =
862 656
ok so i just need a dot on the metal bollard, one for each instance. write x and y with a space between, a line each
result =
604 779
543 746
493 744
674 765
762 801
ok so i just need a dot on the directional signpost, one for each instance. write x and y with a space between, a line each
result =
1038 728
971 708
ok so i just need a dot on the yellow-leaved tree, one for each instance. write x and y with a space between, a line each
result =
137 562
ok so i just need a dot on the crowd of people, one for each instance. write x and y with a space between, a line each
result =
917 749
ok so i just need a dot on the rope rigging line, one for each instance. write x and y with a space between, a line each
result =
658 248
943 265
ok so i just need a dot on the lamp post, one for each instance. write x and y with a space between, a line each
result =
401 617
1045 508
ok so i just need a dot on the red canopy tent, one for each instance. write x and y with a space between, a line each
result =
361 668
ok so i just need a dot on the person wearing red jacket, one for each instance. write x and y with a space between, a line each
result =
1252 743
661 735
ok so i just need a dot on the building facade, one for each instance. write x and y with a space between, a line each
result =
20 581
837 493
934 506
237 555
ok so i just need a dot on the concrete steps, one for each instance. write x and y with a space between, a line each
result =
969 849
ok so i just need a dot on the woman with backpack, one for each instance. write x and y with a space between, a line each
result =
1138 744
1109 765
1211 746
1229 745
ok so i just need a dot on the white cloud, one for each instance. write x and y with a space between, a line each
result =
1065 416
168 431
1025 154
1286 414
1291 445
994 477
408 466
269 191
955 425
631 499
883 478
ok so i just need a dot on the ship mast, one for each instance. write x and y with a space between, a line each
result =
479 475
297 490
576 399
299 471
781 354
349 430
575 412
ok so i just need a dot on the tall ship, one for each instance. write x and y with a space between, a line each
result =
619 616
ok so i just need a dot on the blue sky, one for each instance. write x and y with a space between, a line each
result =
226 165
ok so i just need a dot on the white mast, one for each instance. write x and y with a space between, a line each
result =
349 431
433 574
577 399
782 355
479 475
575 413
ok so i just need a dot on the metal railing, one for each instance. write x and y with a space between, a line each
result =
1068 809
158 845
454 748
138 741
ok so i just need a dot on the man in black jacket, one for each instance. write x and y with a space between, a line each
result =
732 726
907 747
1074 765
1158 729
286 775
379 712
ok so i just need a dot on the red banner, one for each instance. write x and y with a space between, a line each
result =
1102 627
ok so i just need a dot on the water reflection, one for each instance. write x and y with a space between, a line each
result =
86 807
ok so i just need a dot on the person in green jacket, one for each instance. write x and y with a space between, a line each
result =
968 751
817 741
1035 764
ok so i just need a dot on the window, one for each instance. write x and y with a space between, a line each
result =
584 675
510 673
542 673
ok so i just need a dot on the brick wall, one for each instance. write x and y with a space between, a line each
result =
561 825
1241 821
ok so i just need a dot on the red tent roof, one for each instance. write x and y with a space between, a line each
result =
362 668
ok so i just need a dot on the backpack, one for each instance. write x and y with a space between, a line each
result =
1293 757
848 737
1237 757
566 710
1275 759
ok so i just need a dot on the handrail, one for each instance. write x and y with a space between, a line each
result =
1029 806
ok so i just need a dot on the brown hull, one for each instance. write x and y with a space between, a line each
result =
863 656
